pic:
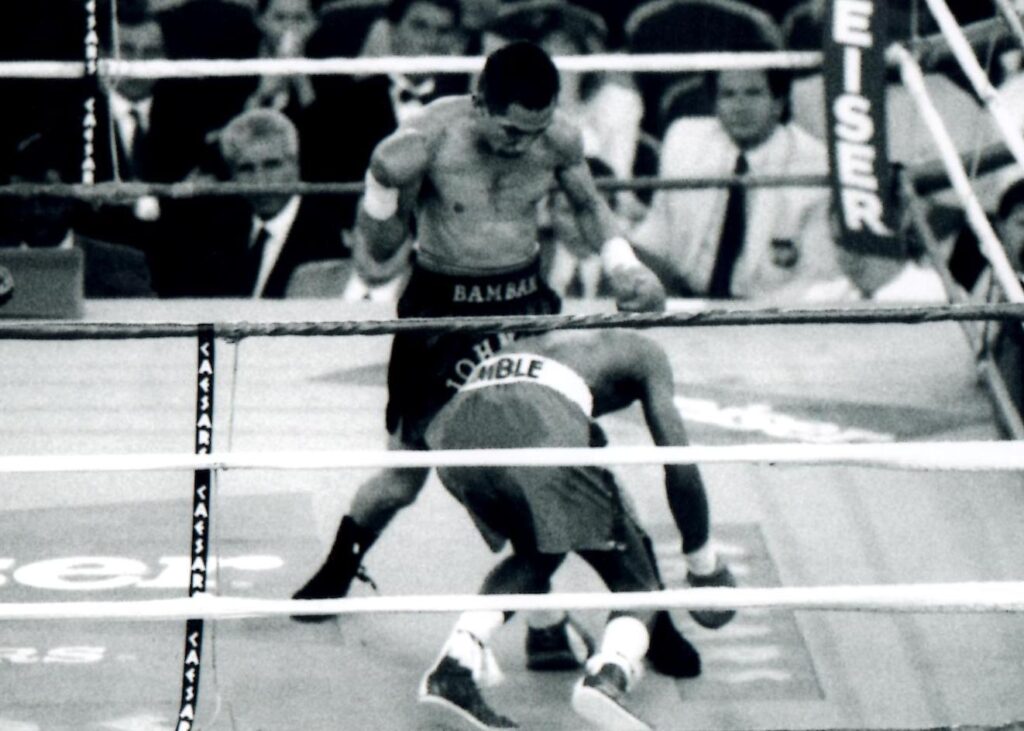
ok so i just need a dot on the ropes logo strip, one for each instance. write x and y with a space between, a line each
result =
200 527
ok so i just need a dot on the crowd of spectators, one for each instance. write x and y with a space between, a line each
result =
770 244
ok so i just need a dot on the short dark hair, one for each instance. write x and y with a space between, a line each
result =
519 73
1010 199
398 8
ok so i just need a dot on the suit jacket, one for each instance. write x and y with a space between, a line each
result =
209 241
166 155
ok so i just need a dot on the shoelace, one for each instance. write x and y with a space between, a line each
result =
364 577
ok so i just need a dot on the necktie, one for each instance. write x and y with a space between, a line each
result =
137 153
734 230
254 257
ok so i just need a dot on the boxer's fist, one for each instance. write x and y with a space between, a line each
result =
637 289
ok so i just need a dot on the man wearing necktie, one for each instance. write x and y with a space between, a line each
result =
738 241
251 248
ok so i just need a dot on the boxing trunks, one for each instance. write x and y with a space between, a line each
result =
427 369
524 400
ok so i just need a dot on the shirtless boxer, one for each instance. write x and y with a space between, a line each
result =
468 174
541 392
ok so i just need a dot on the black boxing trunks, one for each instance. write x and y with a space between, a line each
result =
516 400
427 369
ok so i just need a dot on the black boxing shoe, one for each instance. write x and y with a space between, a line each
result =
343 564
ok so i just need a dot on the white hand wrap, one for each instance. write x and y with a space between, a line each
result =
379 201
616 253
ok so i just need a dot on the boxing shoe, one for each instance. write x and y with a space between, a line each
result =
720 577
450 686
669 653
562 646
598 697
343 564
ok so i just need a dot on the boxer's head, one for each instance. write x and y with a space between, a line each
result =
516 98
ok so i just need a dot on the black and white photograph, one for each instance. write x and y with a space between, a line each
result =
301 302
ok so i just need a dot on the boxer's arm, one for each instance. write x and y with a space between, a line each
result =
397 167
636 287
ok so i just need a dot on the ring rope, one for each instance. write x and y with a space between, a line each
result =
190 189
1012 19
219 68
931 49
913 80
953 597
927 176
69 330
961 456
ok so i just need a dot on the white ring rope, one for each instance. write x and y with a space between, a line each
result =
209 68
943 456
961 597
913 80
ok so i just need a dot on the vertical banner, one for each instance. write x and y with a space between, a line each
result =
855 82
200 523
91 93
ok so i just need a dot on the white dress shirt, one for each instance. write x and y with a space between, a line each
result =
121 109
684 226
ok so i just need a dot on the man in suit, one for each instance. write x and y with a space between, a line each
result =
251 248
343 127
136 137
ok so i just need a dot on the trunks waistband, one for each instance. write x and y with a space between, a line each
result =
532 368
475 289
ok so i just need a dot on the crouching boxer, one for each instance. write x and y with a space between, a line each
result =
545 392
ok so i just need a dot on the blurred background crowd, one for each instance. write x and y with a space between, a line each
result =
285 129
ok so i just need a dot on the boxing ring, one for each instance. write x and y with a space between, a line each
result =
122 536
187 462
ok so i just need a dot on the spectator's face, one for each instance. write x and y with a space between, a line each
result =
745 106
511 133
1011 230
139 43
425 30
266 161
286 24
